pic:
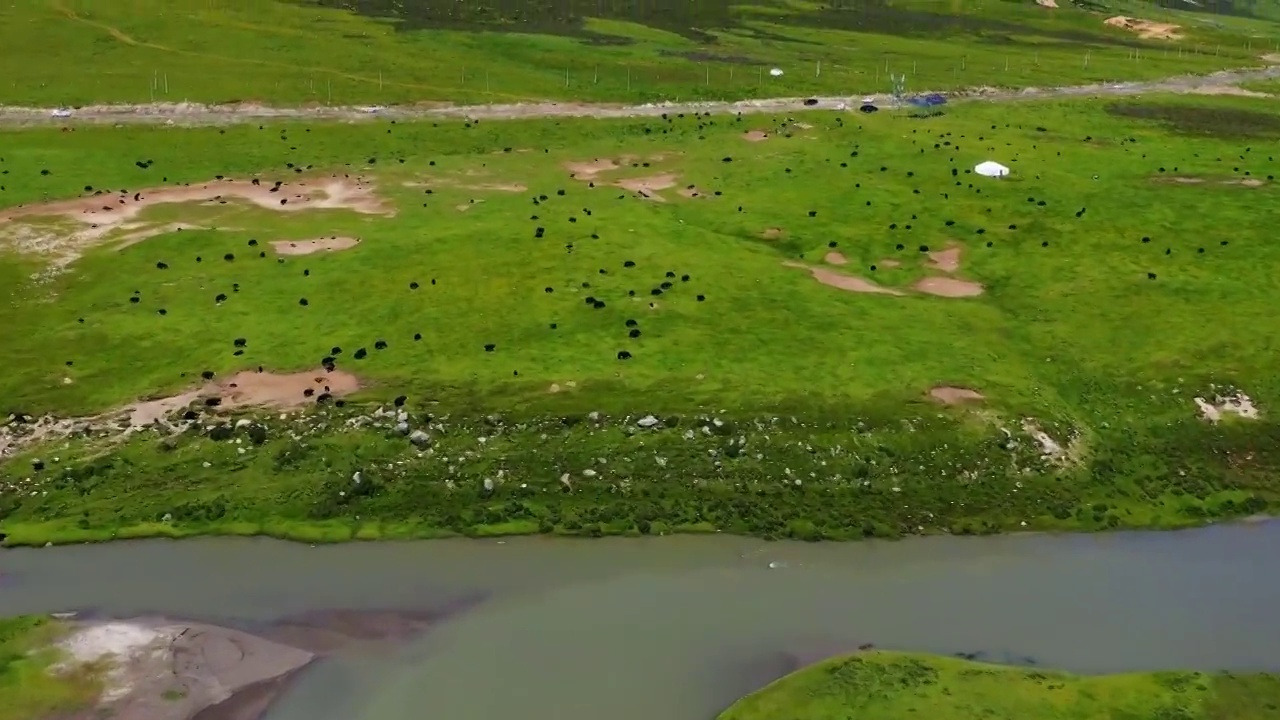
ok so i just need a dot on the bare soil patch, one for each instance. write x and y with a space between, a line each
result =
1184 180
835 258
755 136
844 282
1047 3
1226 90
649 187
693 191
949 287
954 395
108 213
162 670
499 187
249 389
146 231
264 389
889 263
307 247
589 170
947 261
1146 29
773 233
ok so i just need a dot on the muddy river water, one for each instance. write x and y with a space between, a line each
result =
677 628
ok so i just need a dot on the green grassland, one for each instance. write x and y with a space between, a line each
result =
789 408
27 687
879 685
304 52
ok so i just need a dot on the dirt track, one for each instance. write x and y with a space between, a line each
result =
196 114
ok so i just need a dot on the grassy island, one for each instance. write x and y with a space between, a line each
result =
881 685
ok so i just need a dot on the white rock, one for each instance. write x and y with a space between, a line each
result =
647 421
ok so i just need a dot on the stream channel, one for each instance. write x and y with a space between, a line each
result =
679 627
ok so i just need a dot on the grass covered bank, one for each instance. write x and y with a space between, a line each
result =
837 329
28 689
305 52
880 685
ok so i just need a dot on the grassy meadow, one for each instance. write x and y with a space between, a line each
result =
28 688
305 52
880 685
1124 263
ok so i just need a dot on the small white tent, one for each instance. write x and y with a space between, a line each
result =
991 169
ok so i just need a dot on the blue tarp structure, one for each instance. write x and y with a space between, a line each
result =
931 104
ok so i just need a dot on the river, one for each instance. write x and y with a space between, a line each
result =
677 628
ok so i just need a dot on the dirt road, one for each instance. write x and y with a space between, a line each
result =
196 114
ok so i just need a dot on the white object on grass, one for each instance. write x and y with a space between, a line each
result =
991 169
776 72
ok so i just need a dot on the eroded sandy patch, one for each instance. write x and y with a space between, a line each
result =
249 389
755 136
693 191
843 282
947 261
107 213
1226 90
307 247
835 258
773 233
264 389
954 395
649 187
948 287
1185 180
1238 404
589 170
889 263
1146 29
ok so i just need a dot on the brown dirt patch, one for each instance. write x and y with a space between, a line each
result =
1183 180
889 263
755 136
1271 58
307 247
648 187
949 287
255 389
250 389
589 170
1226 90
1146 29
693 191
1047 3
947 261
835 258
773 233
954 395
107 213
146 231
844 282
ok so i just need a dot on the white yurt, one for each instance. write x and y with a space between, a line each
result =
991 168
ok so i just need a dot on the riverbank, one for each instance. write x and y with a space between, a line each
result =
770 477
882 685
